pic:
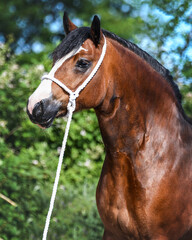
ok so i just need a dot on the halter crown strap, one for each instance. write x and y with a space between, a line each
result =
73 95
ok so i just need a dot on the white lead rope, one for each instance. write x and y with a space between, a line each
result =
52 201
71 108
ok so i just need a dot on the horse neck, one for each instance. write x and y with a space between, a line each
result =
139 104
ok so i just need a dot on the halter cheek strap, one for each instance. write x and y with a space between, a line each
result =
73 95
70 107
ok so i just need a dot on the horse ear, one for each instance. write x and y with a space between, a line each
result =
96 30
68 25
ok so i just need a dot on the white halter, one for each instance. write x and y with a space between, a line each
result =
73 95
70 107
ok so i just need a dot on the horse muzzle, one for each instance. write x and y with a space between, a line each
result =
44 112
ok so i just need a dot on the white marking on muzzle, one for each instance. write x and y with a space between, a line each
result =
44 89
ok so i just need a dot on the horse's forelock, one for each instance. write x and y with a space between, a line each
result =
71 42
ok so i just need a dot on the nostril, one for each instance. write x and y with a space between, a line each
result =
38 111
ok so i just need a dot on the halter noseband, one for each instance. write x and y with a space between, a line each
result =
73 95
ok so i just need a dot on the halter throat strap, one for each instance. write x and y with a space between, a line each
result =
73 95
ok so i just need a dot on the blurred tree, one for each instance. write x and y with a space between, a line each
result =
166 26
33 23
169 27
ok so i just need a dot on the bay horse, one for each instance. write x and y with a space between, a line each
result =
145 187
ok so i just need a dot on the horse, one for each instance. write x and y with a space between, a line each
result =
145 187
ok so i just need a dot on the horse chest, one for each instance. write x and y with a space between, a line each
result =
114 211
116 219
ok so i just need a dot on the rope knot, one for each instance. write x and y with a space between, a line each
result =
72 101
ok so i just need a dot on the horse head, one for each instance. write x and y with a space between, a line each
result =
73 61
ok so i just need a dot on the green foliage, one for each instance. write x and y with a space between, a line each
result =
169 26
77 221
19 181
187 101
187 69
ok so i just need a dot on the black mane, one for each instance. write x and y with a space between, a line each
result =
76 38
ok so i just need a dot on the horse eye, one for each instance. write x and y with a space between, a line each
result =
82 64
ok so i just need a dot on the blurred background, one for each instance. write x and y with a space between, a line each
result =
29 31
